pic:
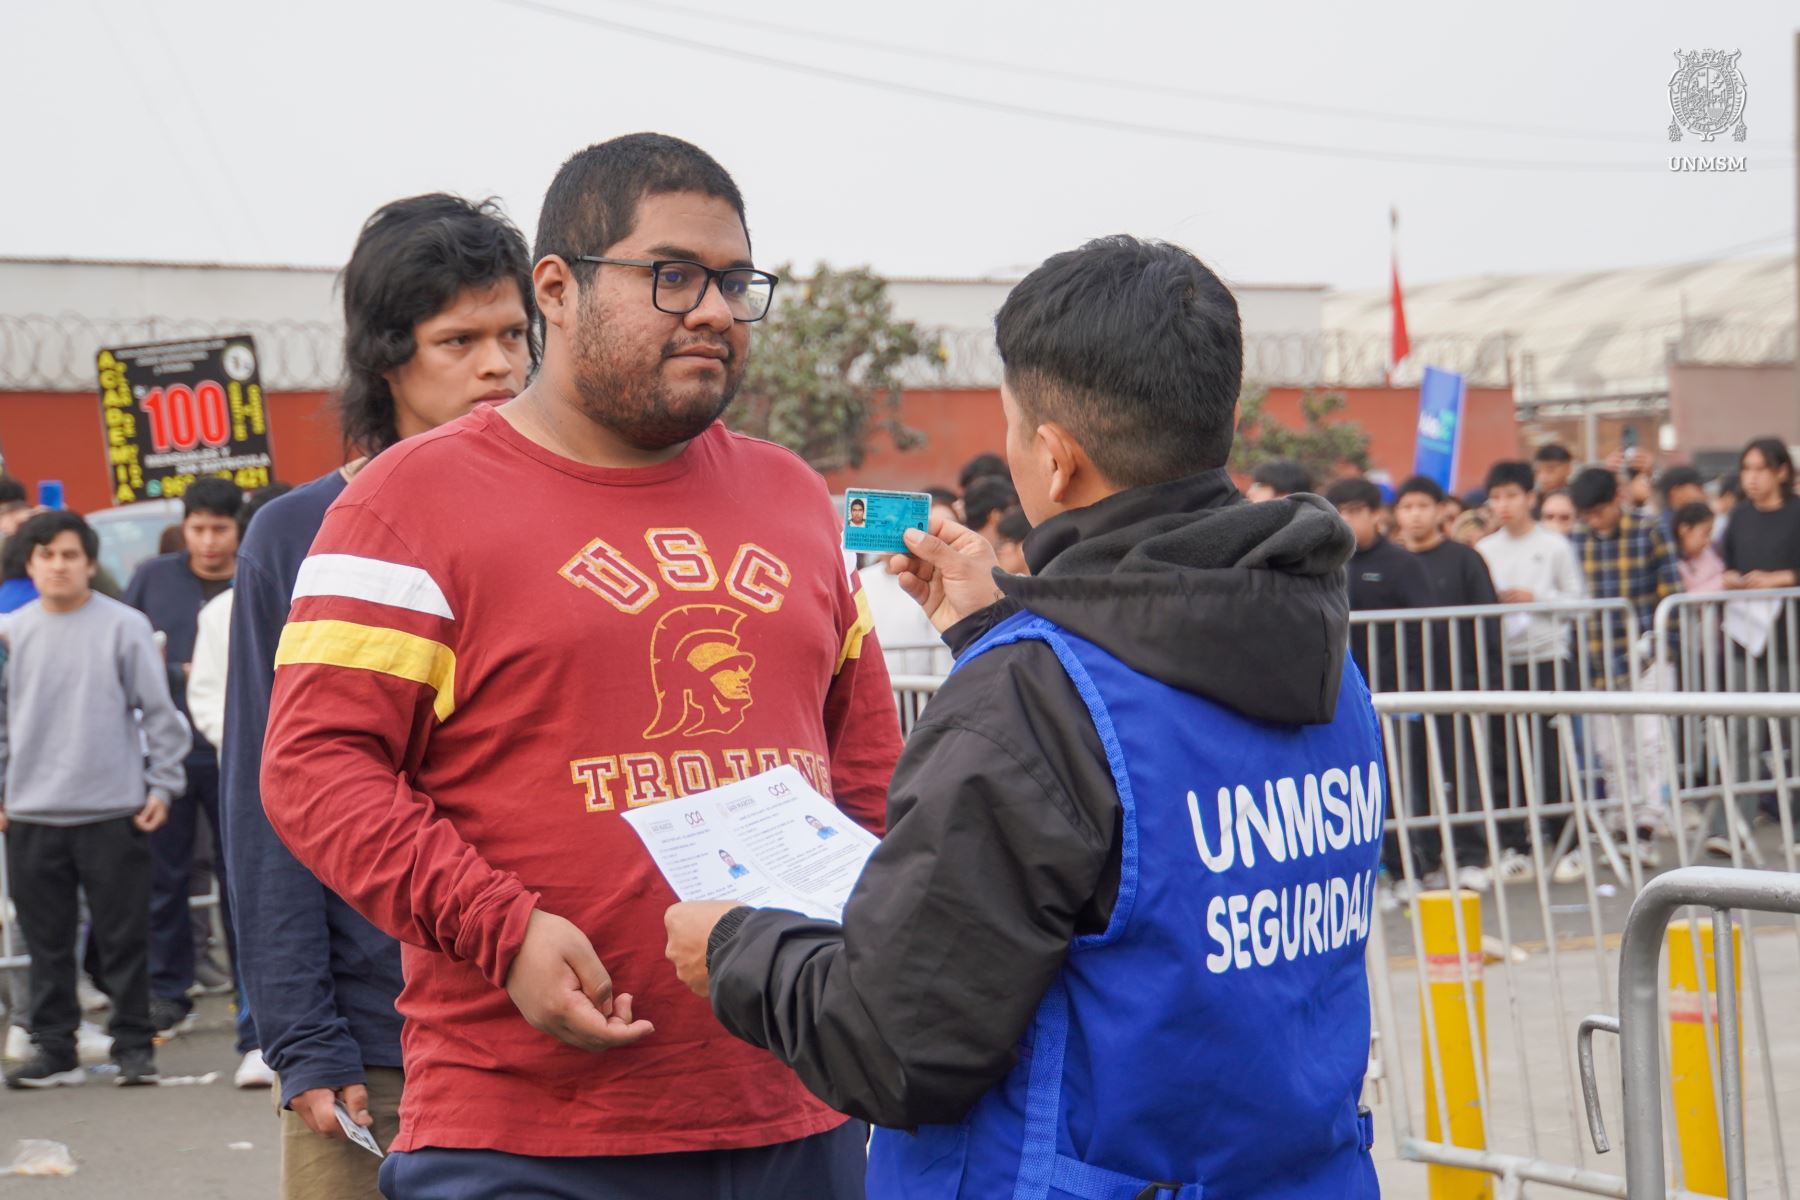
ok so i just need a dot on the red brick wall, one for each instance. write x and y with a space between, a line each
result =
56 435
961 424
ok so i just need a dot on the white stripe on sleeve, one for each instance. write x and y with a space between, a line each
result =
371 579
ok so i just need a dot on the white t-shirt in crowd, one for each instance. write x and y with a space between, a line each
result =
1542 563
909 644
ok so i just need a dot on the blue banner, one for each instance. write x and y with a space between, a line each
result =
1440 426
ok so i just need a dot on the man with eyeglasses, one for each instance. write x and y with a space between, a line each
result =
467 698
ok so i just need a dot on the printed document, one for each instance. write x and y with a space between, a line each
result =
769 841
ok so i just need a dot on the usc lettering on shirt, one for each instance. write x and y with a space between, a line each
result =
496 651
700 669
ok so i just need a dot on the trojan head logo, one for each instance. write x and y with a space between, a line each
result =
700 670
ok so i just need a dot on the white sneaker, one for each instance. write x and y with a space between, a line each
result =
1394 895
92 1043
1717 845
1646 852
1436 881
18 1046
1569 869
1474 879
253 1072
1515 868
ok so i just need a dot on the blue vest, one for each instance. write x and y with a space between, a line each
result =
1212 1039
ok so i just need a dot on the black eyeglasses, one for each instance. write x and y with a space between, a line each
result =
678 286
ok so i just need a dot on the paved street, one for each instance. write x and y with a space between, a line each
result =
169 1143
177 1142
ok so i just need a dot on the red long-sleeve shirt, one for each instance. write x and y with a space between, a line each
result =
493 652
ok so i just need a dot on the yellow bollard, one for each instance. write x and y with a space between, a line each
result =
1442 963
1691 1075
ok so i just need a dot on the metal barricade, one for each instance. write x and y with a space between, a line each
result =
1558 647
1732 642
1639 1028
1501 977
910 694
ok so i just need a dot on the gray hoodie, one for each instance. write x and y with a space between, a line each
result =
85 702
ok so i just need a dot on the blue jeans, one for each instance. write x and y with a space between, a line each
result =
826 1166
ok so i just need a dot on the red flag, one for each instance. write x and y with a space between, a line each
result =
1400 345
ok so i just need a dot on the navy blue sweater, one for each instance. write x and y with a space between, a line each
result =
321 980
166 590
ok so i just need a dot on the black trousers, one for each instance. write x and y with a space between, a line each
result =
1547 752
172 849
1460 794
49 865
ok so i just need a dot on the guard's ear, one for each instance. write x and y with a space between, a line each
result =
1067 460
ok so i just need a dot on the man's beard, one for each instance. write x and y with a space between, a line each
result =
633 400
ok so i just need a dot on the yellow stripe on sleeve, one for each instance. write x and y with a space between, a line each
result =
372 648
859 629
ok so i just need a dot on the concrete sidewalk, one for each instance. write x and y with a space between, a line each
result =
170 1143
1534 1095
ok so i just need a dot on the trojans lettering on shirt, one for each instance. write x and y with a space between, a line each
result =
649 777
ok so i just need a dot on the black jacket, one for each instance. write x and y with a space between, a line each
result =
1002 816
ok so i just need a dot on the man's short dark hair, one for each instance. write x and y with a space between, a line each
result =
1678 477
1553 452
11 491
1593 488
1014 525
987 496
1135 348
592 203
1697 512
1422 485
412 260
1517 474
44 528
213 496
983 466
1353 493
859 503
1284 476
941 495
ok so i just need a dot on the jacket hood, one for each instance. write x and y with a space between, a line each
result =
1191 584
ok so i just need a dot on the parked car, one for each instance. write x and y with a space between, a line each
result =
130 533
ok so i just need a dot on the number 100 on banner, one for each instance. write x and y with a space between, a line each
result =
174 412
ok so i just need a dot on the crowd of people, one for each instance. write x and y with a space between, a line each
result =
403 728
1540 534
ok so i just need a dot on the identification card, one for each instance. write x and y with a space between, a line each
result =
875 521
356 1133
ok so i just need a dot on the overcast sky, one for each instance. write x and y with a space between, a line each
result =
239 131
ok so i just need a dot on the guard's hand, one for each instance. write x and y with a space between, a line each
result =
316 1106
561 989
690 925
154 815
949 572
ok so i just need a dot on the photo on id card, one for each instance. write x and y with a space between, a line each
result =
874 521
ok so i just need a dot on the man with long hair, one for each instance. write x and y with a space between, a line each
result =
438 321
